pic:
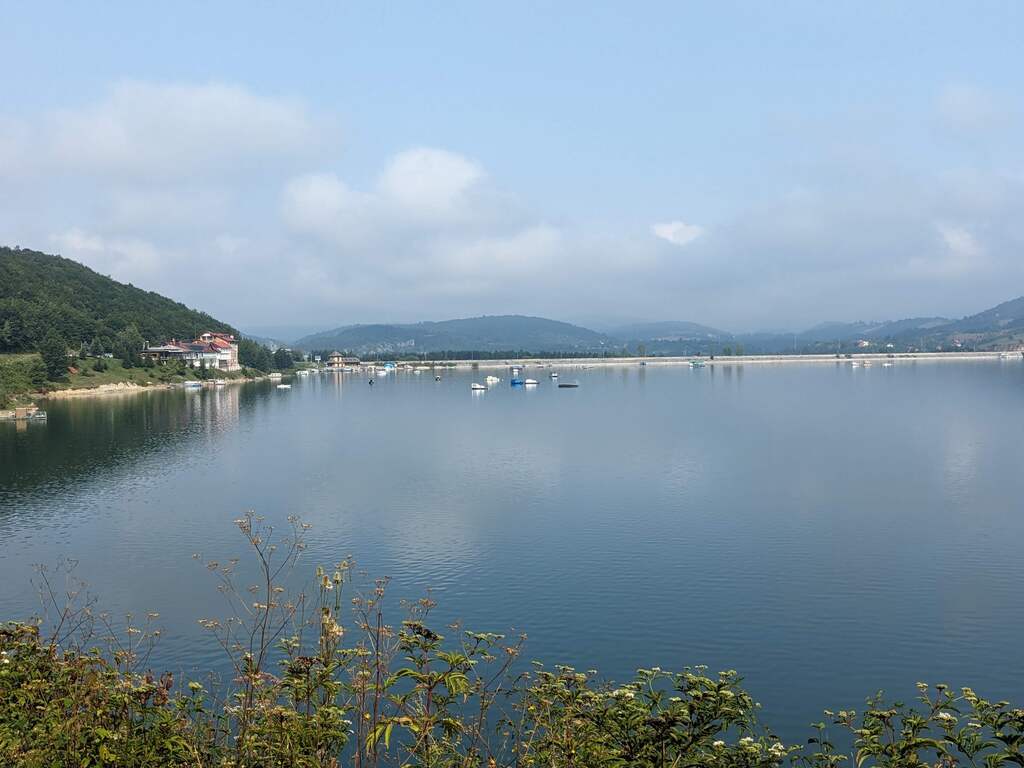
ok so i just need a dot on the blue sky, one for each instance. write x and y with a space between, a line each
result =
741 164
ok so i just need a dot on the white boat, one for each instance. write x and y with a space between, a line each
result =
220 382
867 363
303 372
417 371
515 370
492 379
855 364
192 384
554 374
477 387
887 365
274 375
284 386
530 382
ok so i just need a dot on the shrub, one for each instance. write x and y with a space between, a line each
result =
347 687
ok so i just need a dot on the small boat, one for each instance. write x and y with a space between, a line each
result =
437 378
284 386
303 372
492 379
867 363
274 375
887 365
417 371
515 370
477 387
553 374
220 382
855 364
192 384
530 382
697 363
516 382
568 384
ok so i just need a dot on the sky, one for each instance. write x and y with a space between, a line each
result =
748 165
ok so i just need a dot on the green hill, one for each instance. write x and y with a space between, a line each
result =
489 333
39 292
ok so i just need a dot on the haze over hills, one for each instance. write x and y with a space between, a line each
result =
40 291
997 327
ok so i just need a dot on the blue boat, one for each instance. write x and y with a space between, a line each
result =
517 382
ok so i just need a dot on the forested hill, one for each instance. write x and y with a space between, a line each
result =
501 332
40 293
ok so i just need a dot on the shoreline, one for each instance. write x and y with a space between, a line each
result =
594 362
126 388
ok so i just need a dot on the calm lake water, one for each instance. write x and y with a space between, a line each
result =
827 531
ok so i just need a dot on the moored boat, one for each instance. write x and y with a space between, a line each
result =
568 384
284 386
477 387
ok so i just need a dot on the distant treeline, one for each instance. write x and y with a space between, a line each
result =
472 354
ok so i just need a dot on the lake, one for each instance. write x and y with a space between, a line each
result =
825 530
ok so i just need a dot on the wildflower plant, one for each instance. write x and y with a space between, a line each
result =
322 678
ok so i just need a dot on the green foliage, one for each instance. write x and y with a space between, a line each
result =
21 373
39 293
254 355
283 359
323 680
127 345
54 352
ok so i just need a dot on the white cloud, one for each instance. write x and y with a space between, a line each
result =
677 232
960 242
430 183
129 259
960 255
163 131
158 184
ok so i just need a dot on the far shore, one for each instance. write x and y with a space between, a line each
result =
124 388
594 362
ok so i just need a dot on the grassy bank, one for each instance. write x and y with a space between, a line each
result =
20 375
325 678
23 376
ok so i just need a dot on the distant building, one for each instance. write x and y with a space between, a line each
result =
214 350
338 360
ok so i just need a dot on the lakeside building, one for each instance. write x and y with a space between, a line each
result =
338 360
214 350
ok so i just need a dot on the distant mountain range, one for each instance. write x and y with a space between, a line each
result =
40 292
999 327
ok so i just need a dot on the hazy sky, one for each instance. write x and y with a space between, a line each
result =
752 164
